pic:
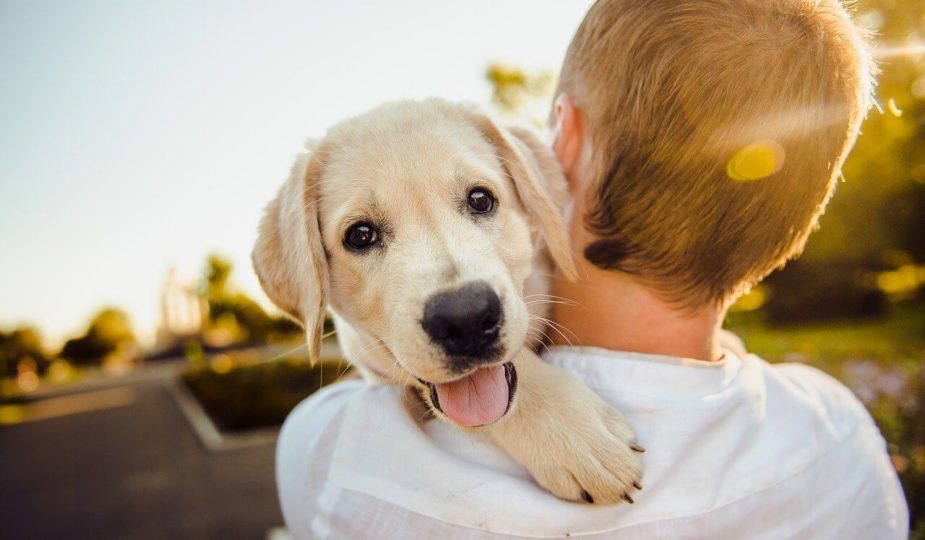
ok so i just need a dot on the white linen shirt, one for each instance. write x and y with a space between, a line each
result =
735 449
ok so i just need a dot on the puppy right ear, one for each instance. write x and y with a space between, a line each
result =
289 257
539 182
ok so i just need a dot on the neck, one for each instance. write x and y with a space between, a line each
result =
613 311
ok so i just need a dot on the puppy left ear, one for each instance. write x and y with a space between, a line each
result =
539 182
289 257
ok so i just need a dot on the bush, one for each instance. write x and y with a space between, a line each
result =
108 331
21 345
812 291
239 316
258 395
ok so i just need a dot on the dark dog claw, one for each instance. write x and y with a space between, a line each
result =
587 497
635 447
628 499
637 486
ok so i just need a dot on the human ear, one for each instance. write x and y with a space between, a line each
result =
568 137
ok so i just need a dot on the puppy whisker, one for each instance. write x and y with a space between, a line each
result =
557 327
540 337
550 298
540 302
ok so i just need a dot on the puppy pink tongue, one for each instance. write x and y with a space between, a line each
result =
475 400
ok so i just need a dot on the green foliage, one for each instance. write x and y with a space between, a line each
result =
887 165
896 339
840 289
904 210
258 395
515 90
237 313
108 331
23 344
218 270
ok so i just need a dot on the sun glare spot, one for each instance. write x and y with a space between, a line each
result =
914 49
918 87
893 108
755 161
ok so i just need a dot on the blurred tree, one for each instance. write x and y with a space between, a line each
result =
109 330
218 270
888 163
24 344
835 289
518 93
235 315
904 210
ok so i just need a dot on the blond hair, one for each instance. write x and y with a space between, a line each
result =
676 96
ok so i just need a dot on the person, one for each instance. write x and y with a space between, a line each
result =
701 140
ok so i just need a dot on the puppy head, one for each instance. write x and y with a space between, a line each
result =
417 223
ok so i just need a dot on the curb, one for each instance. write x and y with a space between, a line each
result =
208 433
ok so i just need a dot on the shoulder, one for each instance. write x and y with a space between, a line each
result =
848 460
823 409
808 401
829 399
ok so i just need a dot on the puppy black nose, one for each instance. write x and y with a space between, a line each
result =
465 322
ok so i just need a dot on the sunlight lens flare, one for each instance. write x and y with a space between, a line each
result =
914 49
893 108
755 161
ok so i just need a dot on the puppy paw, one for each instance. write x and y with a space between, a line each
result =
575 445
600 462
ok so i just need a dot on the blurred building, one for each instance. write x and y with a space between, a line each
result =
182 310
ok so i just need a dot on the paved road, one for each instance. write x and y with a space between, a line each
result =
133 469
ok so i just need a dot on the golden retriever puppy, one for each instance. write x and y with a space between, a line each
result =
423 227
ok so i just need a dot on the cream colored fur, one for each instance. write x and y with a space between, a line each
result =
408 166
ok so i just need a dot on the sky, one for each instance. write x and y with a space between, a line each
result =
140 136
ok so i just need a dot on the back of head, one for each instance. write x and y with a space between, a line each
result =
717 129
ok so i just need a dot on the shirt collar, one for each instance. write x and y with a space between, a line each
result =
651 374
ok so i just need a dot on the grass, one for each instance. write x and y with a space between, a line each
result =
898 340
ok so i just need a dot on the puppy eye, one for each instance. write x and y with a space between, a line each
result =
481 201
361 236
